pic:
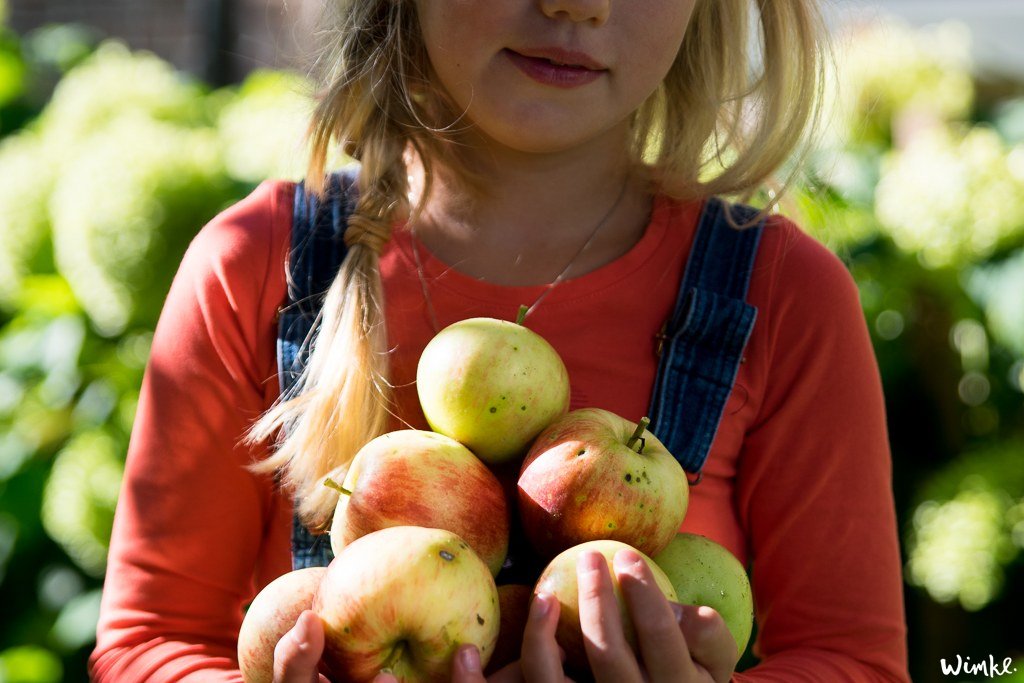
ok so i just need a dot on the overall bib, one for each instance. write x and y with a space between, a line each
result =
702 343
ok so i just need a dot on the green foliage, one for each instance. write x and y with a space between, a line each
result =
261 128
953 198
80 496
123 219
102 193
114 82
28 180
969 526
29 664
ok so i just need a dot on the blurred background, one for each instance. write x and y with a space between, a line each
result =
126 124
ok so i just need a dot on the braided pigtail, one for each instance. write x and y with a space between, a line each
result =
342 398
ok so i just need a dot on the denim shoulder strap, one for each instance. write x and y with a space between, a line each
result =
704 339
317 250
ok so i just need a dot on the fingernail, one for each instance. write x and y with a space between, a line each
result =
677 611
589 561
543 604
627 559
470 659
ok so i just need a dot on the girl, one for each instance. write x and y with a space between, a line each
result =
559 154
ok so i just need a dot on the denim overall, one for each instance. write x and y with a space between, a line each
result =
701 344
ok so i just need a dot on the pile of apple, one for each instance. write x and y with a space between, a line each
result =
422 522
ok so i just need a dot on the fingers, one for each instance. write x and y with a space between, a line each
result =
711 644
298 652
610 656
662 645
466 667
541 658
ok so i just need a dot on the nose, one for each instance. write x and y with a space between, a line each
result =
580 11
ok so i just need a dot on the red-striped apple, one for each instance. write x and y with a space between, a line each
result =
419 478
273 613
593 475
404 599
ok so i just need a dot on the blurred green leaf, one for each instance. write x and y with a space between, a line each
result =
80 496
262 127
952 197
76 625
141 190
12 68
997 288
62 46
966 528
29 664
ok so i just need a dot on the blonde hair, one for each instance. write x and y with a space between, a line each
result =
714 127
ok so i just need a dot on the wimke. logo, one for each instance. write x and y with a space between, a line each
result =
988 667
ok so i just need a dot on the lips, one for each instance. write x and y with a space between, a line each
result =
557 67
562 57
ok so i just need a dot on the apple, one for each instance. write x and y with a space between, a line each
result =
559 580
492 385
594 475
514 601
404 599
706 573
273 613
419 478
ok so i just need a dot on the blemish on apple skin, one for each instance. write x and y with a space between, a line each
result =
447 556
611 525
629 477
522 407
582 451
479 620
493 409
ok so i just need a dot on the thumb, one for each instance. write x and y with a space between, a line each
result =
298 652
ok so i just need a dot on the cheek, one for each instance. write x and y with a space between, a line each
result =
458 36
656 36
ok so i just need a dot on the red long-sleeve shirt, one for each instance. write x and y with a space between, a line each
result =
797 482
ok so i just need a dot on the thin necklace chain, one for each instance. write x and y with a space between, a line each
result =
547 289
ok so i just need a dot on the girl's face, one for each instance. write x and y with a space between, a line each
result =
550 75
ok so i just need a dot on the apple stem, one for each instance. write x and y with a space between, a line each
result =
523 310
638 435
395 656
331 484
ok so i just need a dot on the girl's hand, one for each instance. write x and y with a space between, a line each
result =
676 643
298 652
541 658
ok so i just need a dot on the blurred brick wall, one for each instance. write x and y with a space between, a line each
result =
218 40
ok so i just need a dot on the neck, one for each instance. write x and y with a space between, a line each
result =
536 211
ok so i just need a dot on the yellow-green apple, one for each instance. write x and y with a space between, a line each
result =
559 580
491 385
403 599
592 475
418 478
273 613
706 573
514 601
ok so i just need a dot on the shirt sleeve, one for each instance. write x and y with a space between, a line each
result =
814 488
192 522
